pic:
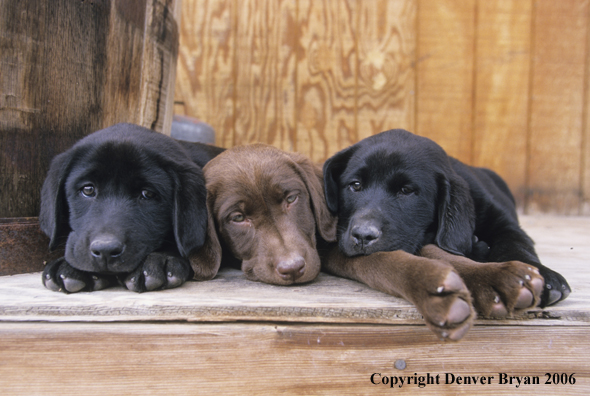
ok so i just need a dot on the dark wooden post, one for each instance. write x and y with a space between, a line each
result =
68 68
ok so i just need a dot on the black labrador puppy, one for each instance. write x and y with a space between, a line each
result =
130 205
399 191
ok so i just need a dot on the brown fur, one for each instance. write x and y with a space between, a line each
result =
248 194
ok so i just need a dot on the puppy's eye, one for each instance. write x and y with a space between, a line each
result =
238 218
355 186
88 191
406 190
291 198
147 194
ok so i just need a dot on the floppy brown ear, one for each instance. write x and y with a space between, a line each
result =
456 216
206 261
313 179
54 214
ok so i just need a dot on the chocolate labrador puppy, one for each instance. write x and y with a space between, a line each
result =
400 191
272 219
129 204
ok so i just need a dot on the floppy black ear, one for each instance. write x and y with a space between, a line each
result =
206 261
333 168
54 214
312 177
190 210
456 216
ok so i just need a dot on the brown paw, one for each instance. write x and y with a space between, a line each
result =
446 305
503 289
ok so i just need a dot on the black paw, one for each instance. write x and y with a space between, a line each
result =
58 275
556 287
158 271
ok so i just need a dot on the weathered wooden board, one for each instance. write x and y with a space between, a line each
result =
23 246
233 336
72 67
564 245
277 358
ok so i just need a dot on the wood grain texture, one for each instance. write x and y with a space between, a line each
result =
585 160
271 359
69 68
562 243
266 90
502 70
501 84
557 102
326 337
326 77
446 37
386 39
206 65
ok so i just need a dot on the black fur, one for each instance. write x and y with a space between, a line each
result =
130 204
399 191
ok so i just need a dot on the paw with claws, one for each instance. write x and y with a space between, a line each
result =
158 271
498 289
444 301
58 275
501 290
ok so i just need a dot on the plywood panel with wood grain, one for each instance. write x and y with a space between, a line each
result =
386 32
501 84
266 89
205 84
557 103
502 89
326 77
446 34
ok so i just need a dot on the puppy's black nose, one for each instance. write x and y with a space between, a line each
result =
292 268
365 234
106 247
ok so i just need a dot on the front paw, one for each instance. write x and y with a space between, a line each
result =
158 271
556 287
445 303
503 289
58 275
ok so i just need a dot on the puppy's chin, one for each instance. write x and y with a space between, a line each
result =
269 275
351 249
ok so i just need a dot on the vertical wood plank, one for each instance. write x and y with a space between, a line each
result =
265 76
555 135
585 165
444 104
205 75
502 90
326 77
386 74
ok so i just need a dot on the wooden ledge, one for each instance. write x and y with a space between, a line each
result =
563 244
233 336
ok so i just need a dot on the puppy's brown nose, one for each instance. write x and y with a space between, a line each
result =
291 269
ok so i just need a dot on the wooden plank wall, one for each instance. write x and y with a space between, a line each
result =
502 84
